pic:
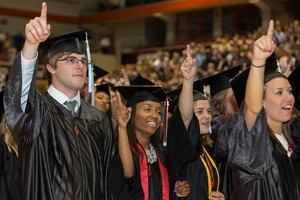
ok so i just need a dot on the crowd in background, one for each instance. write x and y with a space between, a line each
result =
162 66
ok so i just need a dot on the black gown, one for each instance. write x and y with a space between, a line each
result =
221 128
62 157
10 173
150 180
184 151
259 171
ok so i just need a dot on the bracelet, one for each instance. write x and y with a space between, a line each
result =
258 66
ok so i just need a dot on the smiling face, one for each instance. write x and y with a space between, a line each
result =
102 101
278 101
203 112
69 76
147 118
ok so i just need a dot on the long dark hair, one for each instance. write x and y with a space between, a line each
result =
156 138
286 130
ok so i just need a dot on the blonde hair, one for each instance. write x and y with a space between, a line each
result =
8 138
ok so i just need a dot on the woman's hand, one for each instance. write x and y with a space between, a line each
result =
215 195
124 80
264 47
188 67
123 113
182 188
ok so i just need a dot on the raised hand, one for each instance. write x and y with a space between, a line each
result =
188 67
289 69
37 30
123 113
264 47
124 80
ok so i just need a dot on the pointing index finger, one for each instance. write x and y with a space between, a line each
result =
188 51
270 29
119 99
44 17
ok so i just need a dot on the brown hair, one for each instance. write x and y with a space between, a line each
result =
52 62
218 103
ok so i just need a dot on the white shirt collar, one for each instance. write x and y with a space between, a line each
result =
61 97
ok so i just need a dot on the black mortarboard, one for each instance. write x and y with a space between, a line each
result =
70 42
221 80
104 87
139 80
294 79
98 72
137 93
197 87
239 82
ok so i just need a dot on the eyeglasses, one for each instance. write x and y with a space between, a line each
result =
73 60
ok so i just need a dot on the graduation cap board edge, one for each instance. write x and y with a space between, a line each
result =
238 83
138 93
220 81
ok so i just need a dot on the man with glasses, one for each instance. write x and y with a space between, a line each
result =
66 145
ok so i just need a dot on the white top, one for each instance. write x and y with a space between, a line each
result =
284 143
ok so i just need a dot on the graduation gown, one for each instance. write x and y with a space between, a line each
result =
150 181
62 157
221 128
187 159
10 173
259 171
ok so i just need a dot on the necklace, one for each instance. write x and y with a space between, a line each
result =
151 154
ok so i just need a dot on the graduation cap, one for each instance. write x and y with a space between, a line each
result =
294 79
137 93
139 80
239 82
198 94
70 42
104 87
221 80
98 72
198 87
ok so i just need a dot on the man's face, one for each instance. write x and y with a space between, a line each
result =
70 73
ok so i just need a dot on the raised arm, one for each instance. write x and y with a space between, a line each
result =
36 31
188 69
123 115
263 48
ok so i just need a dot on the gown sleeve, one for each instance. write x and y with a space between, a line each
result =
18 121
250 152
183 145
222 127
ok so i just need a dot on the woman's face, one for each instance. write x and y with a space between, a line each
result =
203 112
231 104
278 100
102 101
147 118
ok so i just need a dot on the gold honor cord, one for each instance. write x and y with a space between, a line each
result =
209 181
